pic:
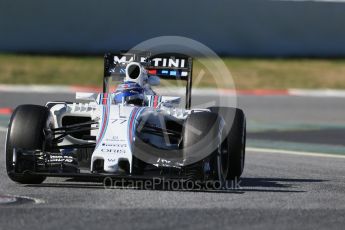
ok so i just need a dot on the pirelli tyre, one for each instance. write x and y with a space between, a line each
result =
202 134
235 126
25 132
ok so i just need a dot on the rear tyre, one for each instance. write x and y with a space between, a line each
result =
235 126
25 131
202 139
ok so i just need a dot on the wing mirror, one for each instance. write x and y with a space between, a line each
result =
154 80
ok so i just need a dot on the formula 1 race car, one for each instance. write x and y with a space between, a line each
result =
129 131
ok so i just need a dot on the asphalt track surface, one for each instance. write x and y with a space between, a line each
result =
277 191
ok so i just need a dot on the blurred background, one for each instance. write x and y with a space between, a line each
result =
267 44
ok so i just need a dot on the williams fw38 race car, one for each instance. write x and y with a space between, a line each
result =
128 132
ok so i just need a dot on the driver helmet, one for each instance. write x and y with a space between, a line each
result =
130 93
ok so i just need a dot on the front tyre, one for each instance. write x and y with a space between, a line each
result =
25 131
202 138
235 126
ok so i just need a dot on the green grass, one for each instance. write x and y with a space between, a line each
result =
288 73
27 69
249 73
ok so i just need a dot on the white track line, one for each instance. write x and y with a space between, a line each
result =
297 153
36 88
2 129
177 90
317 92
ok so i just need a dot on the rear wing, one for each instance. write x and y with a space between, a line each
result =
170 66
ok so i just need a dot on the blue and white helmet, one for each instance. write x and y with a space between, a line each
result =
129 92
